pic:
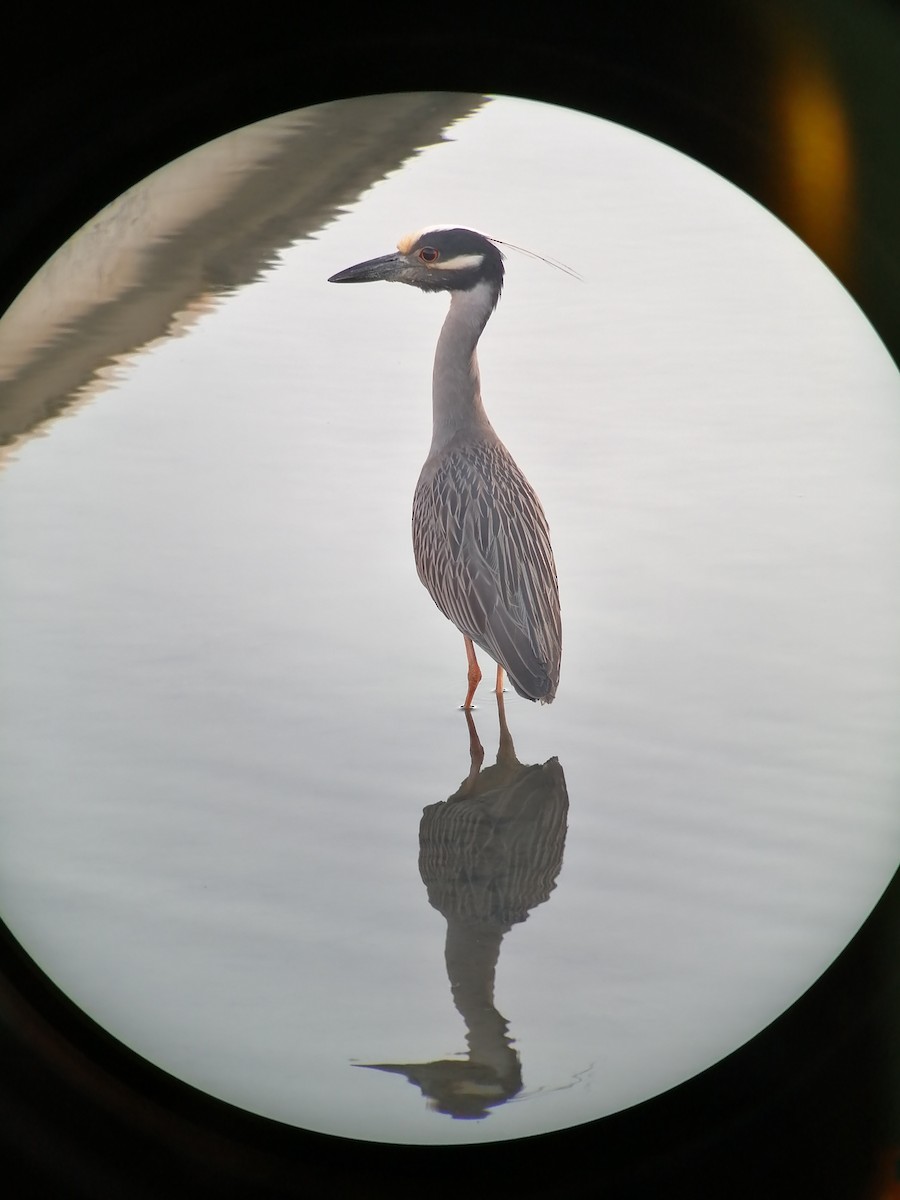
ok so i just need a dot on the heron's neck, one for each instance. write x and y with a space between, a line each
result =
456 393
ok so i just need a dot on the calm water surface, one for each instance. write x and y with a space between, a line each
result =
231 717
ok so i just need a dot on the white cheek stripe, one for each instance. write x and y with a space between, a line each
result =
460 263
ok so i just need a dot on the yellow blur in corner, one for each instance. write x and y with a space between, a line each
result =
815 161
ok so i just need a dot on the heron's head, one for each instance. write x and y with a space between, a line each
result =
438 259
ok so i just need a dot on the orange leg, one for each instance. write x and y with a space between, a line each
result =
499 687
474 672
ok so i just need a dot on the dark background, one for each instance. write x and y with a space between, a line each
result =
88 107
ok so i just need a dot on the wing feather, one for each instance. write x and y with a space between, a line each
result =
482 549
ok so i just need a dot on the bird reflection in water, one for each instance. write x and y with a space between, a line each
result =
488 855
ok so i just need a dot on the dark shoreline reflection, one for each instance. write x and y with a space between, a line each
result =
206 225
488 855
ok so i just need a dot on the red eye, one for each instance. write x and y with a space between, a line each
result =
428 254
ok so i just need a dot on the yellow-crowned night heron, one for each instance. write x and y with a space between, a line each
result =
480 536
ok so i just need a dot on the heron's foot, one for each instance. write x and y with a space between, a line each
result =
474 674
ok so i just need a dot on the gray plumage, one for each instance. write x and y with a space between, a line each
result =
480 537
482 549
